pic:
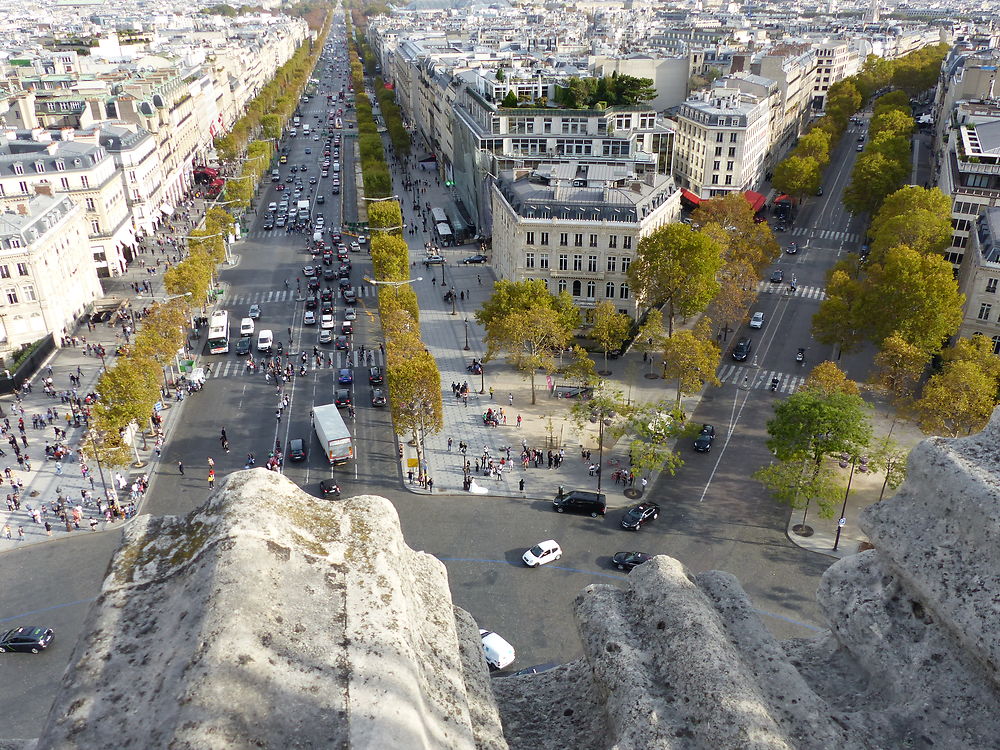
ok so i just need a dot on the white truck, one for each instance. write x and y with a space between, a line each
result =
302 206
332 433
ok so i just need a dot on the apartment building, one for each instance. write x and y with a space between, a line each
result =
979 279
835 61
84 171
577 226
967 142
723 137
47 279
489 138
138 165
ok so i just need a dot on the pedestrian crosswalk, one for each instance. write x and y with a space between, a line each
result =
807 292
826 234
228 367
757 379
283 295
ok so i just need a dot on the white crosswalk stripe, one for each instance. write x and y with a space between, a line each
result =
217 367
283 295
827 234
753 378
807 292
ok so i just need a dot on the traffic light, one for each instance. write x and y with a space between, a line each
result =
449 183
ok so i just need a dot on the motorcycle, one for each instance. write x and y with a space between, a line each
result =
774 384
800 355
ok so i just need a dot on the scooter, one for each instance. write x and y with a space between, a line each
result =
774 384
800 355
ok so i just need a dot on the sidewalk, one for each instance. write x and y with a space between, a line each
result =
48 481
545 425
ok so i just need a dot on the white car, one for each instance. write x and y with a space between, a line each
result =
362 239
309 318
326 337
541 553
757 321
350 314
355 247
272 206
326 321
499 653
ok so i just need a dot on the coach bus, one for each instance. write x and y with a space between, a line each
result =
218 332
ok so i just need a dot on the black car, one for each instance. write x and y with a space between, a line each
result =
344 284
329 274
311 302
593 504
269 224
28 639
243 345
629 560
297 449
321 198
313 284
742 349
378 397
329 487
477 258
375 376
344 271
703 443
327 295
343 397
640 514
777 276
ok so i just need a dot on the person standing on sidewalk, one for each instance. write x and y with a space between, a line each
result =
180 467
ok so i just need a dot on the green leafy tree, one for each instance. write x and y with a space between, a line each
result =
511 296
690 359
888 457
577 365
915 217
271 125
385 214
811 425
873 177
913 295
609 328
893 121
815 145
676 267
798 176
510 100
630 90
226 147
840 321
414 384
797 482
530 340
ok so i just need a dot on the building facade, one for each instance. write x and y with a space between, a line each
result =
577 226
47 278
979 280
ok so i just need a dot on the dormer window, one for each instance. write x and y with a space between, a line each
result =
60 165
18 168
14 242
39 166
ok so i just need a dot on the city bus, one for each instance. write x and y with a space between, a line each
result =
218 332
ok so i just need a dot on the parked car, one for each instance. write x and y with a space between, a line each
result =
589 503
27 638
629 560
639 515
541 553
499 653
703 443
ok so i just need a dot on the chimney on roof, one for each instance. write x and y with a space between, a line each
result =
66 134
43 189
37 133
22 208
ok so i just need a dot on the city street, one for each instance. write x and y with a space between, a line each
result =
713 516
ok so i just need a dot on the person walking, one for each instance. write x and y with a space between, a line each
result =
211 478
180 467
510 399
6 531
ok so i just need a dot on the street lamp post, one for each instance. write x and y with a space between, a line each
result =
466 334
843 510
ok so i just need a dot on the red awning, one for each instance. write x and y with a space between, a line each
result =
690 197
756 200
783 199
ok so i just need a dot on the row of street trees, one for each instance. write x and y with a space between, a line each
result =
905 300
800 173
412 375
884 166
374 169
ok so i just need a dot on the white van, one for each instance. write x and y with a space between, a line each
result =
265 340
246 327
336 167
